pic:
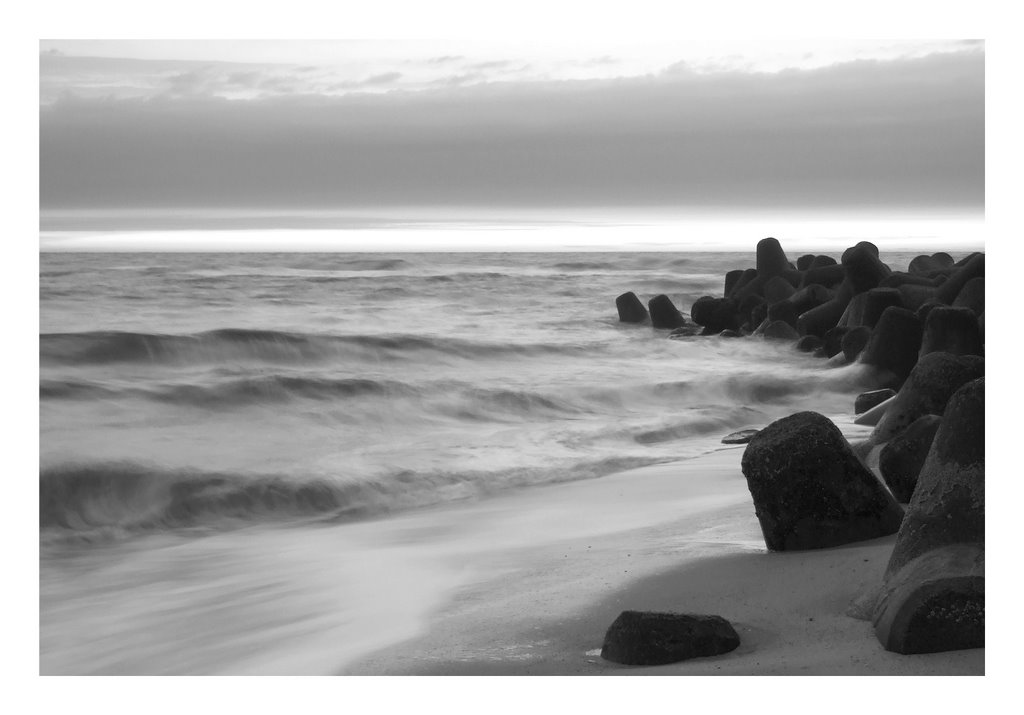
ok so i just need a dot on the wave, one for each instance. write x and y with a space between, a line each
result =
102 347
111 500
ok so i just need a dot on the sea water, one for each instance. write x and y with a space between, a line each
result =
222 434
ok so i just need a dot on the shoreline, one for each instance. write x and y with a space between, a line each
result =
546 612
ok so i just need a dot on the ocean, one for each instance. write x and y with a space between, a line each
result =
208 422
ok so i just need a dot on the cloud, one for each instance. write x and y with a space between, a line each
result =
899 133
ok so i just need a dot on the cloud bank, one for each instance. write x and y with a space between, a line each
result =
869 134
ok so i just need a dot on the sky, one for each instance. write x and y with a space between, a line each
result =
460 128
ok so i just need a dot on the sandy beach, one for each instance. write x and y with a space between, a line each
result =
546 581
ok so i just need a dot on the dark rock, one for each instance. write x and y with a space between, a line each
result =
933 381
864 270
974 267
780 330
948 505
647 638
784 311
746 309
731 279
833 341
771 259
854 342
759 313
854 313
810 491
914 296
930 264
944 260
873 416
809 297
897 279
819 320
935 603
826 276
749 275
804 262
809 343
664 313
876 301
866 400
777 288
903 456
741 437
972 296
951 330
925 308
894 344
820 261
715 314
631 310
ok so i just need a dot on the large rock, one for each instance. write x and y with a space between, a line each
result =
933 381
821 319
854 341
828 275
973 267
933 597
809 343
647 638
777 288
833 341
809 489
927 264
749 275
972 296
914 296
948 505
951 330
804 262
894 344
664 313
864 270
935 603
820 261
866 400
784 311
631 310
771 259
731 279
903 456
876 301
715 314
854 313
897 279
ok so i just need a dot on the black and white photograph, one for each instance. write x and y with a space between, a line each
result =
396 356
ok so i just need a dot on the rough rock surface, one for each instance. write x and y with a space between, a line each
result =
951 330
933 381
649 638
934 603
948 506
809 489
895 343
903 456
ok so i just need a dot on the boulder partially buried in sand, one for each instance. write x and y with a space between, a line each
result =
933 598
631 310
935 603
810 491
948 506
650 638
